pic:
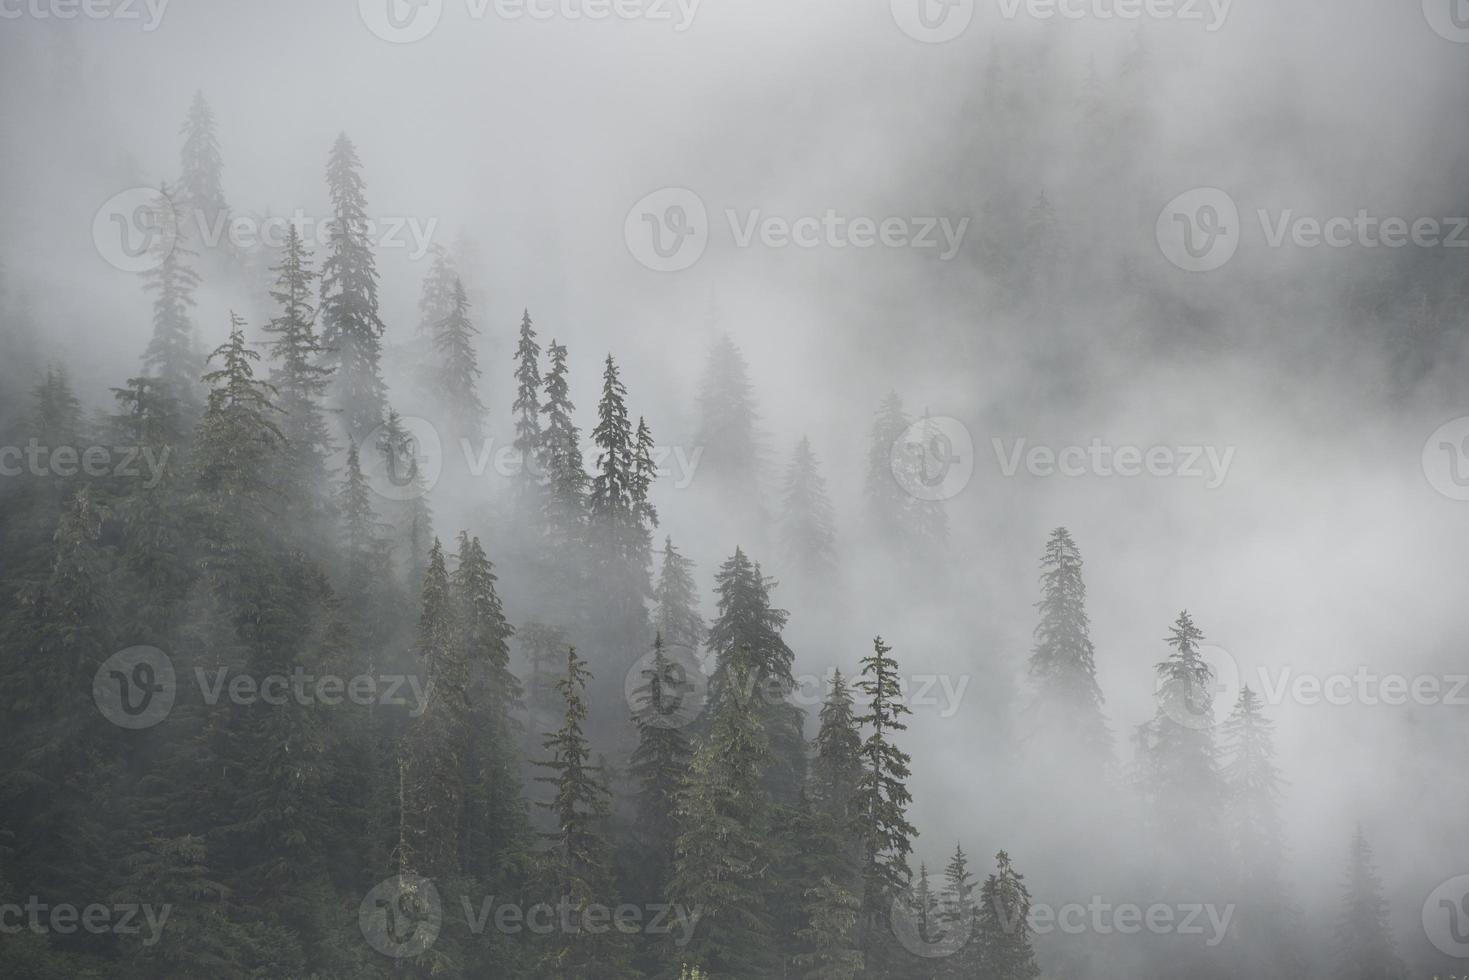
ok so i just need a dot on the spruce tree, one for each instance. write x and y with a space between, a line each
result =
201 187
529 490
806 520
612 506
172 356
436 298
882 802
836 770
727 428
1004 925
887 502
1063 661
675 604
723 844
352 330
300 380
957 919
1365 946
411 516
238 433
561 458
747 631
457 377
831 920
577 861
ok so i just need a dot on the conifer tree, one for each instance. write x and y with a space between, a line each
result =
806 520
352 330
457 377
527 410
412 519
436 298
436 741
727 426
578 858
172 356
1063 661
1181 759
882 802
201 187
299 378
561 458
836 769
904 523
1365 945
612 505
1004 925
659 764
957 919
676 606
747 630
831 920
363 544
494 819
724 816
238 432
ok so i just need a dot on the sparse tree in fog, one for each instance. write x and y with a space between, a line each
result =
747 630
351 330
201 183
456 375
1063 665
238 433
172 356
676 604
578 859
836 767
409 514
436 296
901 522
1004 925
529 491
958 918
723 844
882 804
727 432
561 457
807 525
1365 946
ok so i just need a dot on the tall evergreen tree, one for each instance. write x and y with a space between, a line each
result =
457 376
578 858
836 770
561 457
727 428
1004 925
201 184
676 615
1063 661
411 517
529 490
172 356
436 298
747 631
806 520
352 330
723 843
882 802
957 917
300 380
1365 946
238 433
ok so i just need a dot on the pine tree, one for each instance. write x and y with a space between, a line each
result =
724 816
676 606
727 427
659 764
494 818
529 491
578 858
436 299
561 458
1004 925
363 546
836 770
1365 946
300 380
172 356
412 518
956 920
436 741
1183 775
351 327
201 185
611 507
747 631
882 802
806 520
1063 661
458 371
831 920
238 433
